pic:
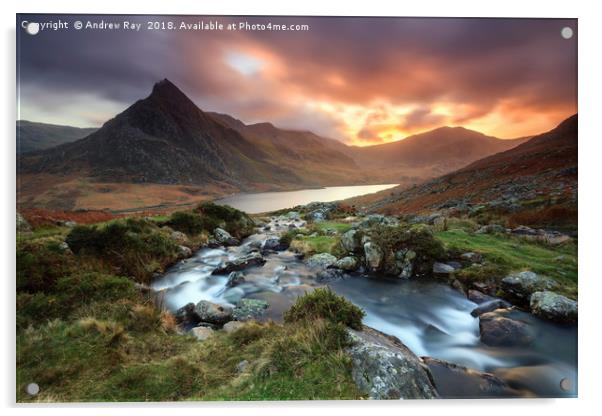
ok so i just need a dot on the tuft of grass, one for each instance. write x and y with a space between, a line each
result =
323 303
340 227
311 245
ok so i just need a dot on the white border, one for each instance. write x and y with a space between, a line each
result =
590 152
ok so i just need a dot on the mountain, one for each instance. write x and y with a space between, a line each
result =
433 152
33 136
542 169
166 139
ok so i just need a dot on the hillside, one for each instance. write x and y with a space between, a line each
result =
541 170
32 136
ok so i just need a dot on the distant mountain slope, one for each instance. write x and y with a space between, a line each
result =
434 152
33 136
166 139
544 167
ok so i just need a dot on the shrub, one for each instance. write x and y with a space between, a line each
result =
40 263
236 222
323 303
187 222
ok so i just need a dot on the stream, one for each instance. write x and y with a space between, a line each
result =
429 317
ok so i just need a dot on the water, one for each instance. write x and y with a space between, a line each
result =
273 201
431 318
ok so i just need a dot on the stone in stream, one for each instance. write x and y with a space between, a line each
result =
247 309
443 268
490 306
554 307
457 382
235 278
224 237
384 368
498 330
519 287
240 263
322 260
329 275
213 313
271 243
348 263
478 297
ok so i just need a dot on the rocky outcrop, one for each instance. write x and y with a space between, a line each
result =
454 381
240 263
374 256
384 368
499 330
519 287
322 260
554 307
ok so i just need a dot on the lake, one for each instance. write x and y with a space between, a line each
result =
272 201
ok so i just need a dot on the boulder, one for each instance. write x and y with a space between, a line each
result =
271 243
457 382
377 219
349 241
554 307
348 263
213 313
374 256
232 326
518 287
384 368
322 260
240 263
404 262
184 252
224 237
179 237
478 297
187 316
247 309
490 306
498 330
202 332
442 268
235 278
329 275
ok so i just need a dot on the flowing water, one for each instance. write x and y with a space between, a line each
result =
273 201
431 318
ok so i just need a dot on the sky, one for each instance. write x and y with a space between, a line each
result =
363 81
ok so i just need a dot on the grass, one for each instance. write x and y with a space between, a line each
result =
312 245
333 225
514 254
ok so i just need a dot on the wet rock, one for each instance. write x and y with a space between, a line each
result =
554 307
213 313
404 263
348 263
518 287
471 257
202 332
22 224
498 330
271 243
184 252
240 263
322 260
232 326
374 256
224 237
457 382
384 368
478 297
490 306
329 275
247 309
442 268
187 316
235 278
456 284
350 241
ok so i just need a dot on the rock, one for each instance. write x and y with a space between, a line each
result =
442 268
457 382
322 260
377 219
554 307
471 257
184 252
271 243
202 332
232 326
235 278
440 224
213 313
491 229
490 306
329 275
518 287
404 262
293 215
555 238
497 330
348 263
179 237
456 284
523 230
478 297
247 309
69 224
224 237
240 263
22 224
384 368
374 255
64 247
187 315
318 215
241 366
349 241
